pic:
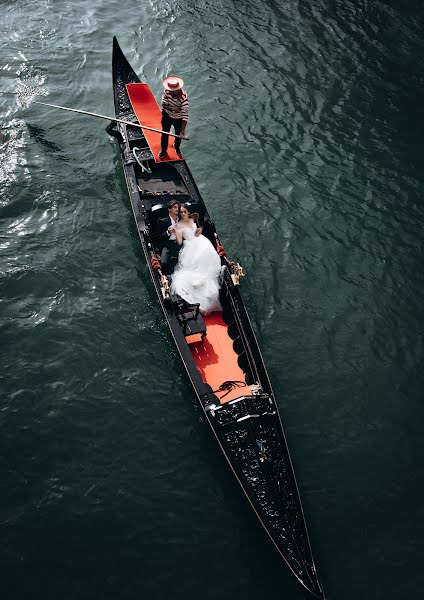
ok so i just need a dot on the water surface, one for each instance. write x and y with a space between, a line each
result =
306 143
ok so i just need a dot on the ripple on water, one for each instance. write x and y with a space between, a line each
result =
12 156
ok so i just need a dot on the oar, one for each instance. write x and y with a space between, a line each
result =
92 114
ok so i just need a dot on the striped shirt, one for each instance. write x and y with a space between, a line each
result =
175 106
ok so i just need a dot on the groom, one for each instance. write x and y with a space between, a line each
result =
166 239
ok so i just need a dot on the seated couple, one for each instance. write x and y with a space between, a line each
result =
190 257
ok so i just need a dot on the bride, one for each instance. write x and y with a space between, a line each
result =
195 278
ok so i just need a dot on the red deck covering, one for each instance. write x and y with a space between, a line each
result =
216 359
148 113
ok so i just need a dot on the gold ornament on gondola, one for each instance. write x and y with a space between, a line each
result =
237 272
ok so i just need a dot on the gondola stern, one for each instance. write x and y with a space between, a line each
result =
122 74
118 57
116 49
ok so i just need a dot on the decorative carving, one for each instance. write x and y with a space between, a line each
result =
164 287
237 272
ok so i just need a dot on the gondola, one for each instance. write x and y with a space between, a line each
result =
219 351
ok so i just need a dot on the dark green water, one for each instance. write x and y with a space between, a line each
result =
306 142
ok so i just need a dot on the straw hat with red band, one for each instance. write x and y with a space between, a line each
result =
173 83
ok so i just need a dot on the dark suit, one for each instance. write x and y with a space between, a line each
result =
169 248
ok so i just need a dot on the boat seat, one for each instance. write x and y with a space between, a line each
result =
189 317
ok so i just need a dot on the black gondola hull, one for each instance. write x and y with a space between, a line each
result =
248 429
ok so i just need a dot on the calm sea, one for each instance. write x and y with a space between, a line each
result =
306 142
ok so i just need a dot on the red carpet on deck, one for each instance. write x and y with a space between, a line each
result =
148 113
216 359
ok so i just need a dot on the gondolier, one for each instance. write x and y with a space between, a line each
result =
174 111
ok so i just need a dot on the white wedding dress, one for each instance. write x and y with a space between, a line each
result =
195 278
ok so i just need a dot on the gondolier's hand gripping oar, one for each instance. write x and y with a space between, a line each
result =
92 114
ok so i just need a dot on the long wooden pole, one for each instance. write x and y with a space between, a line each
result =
92 114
